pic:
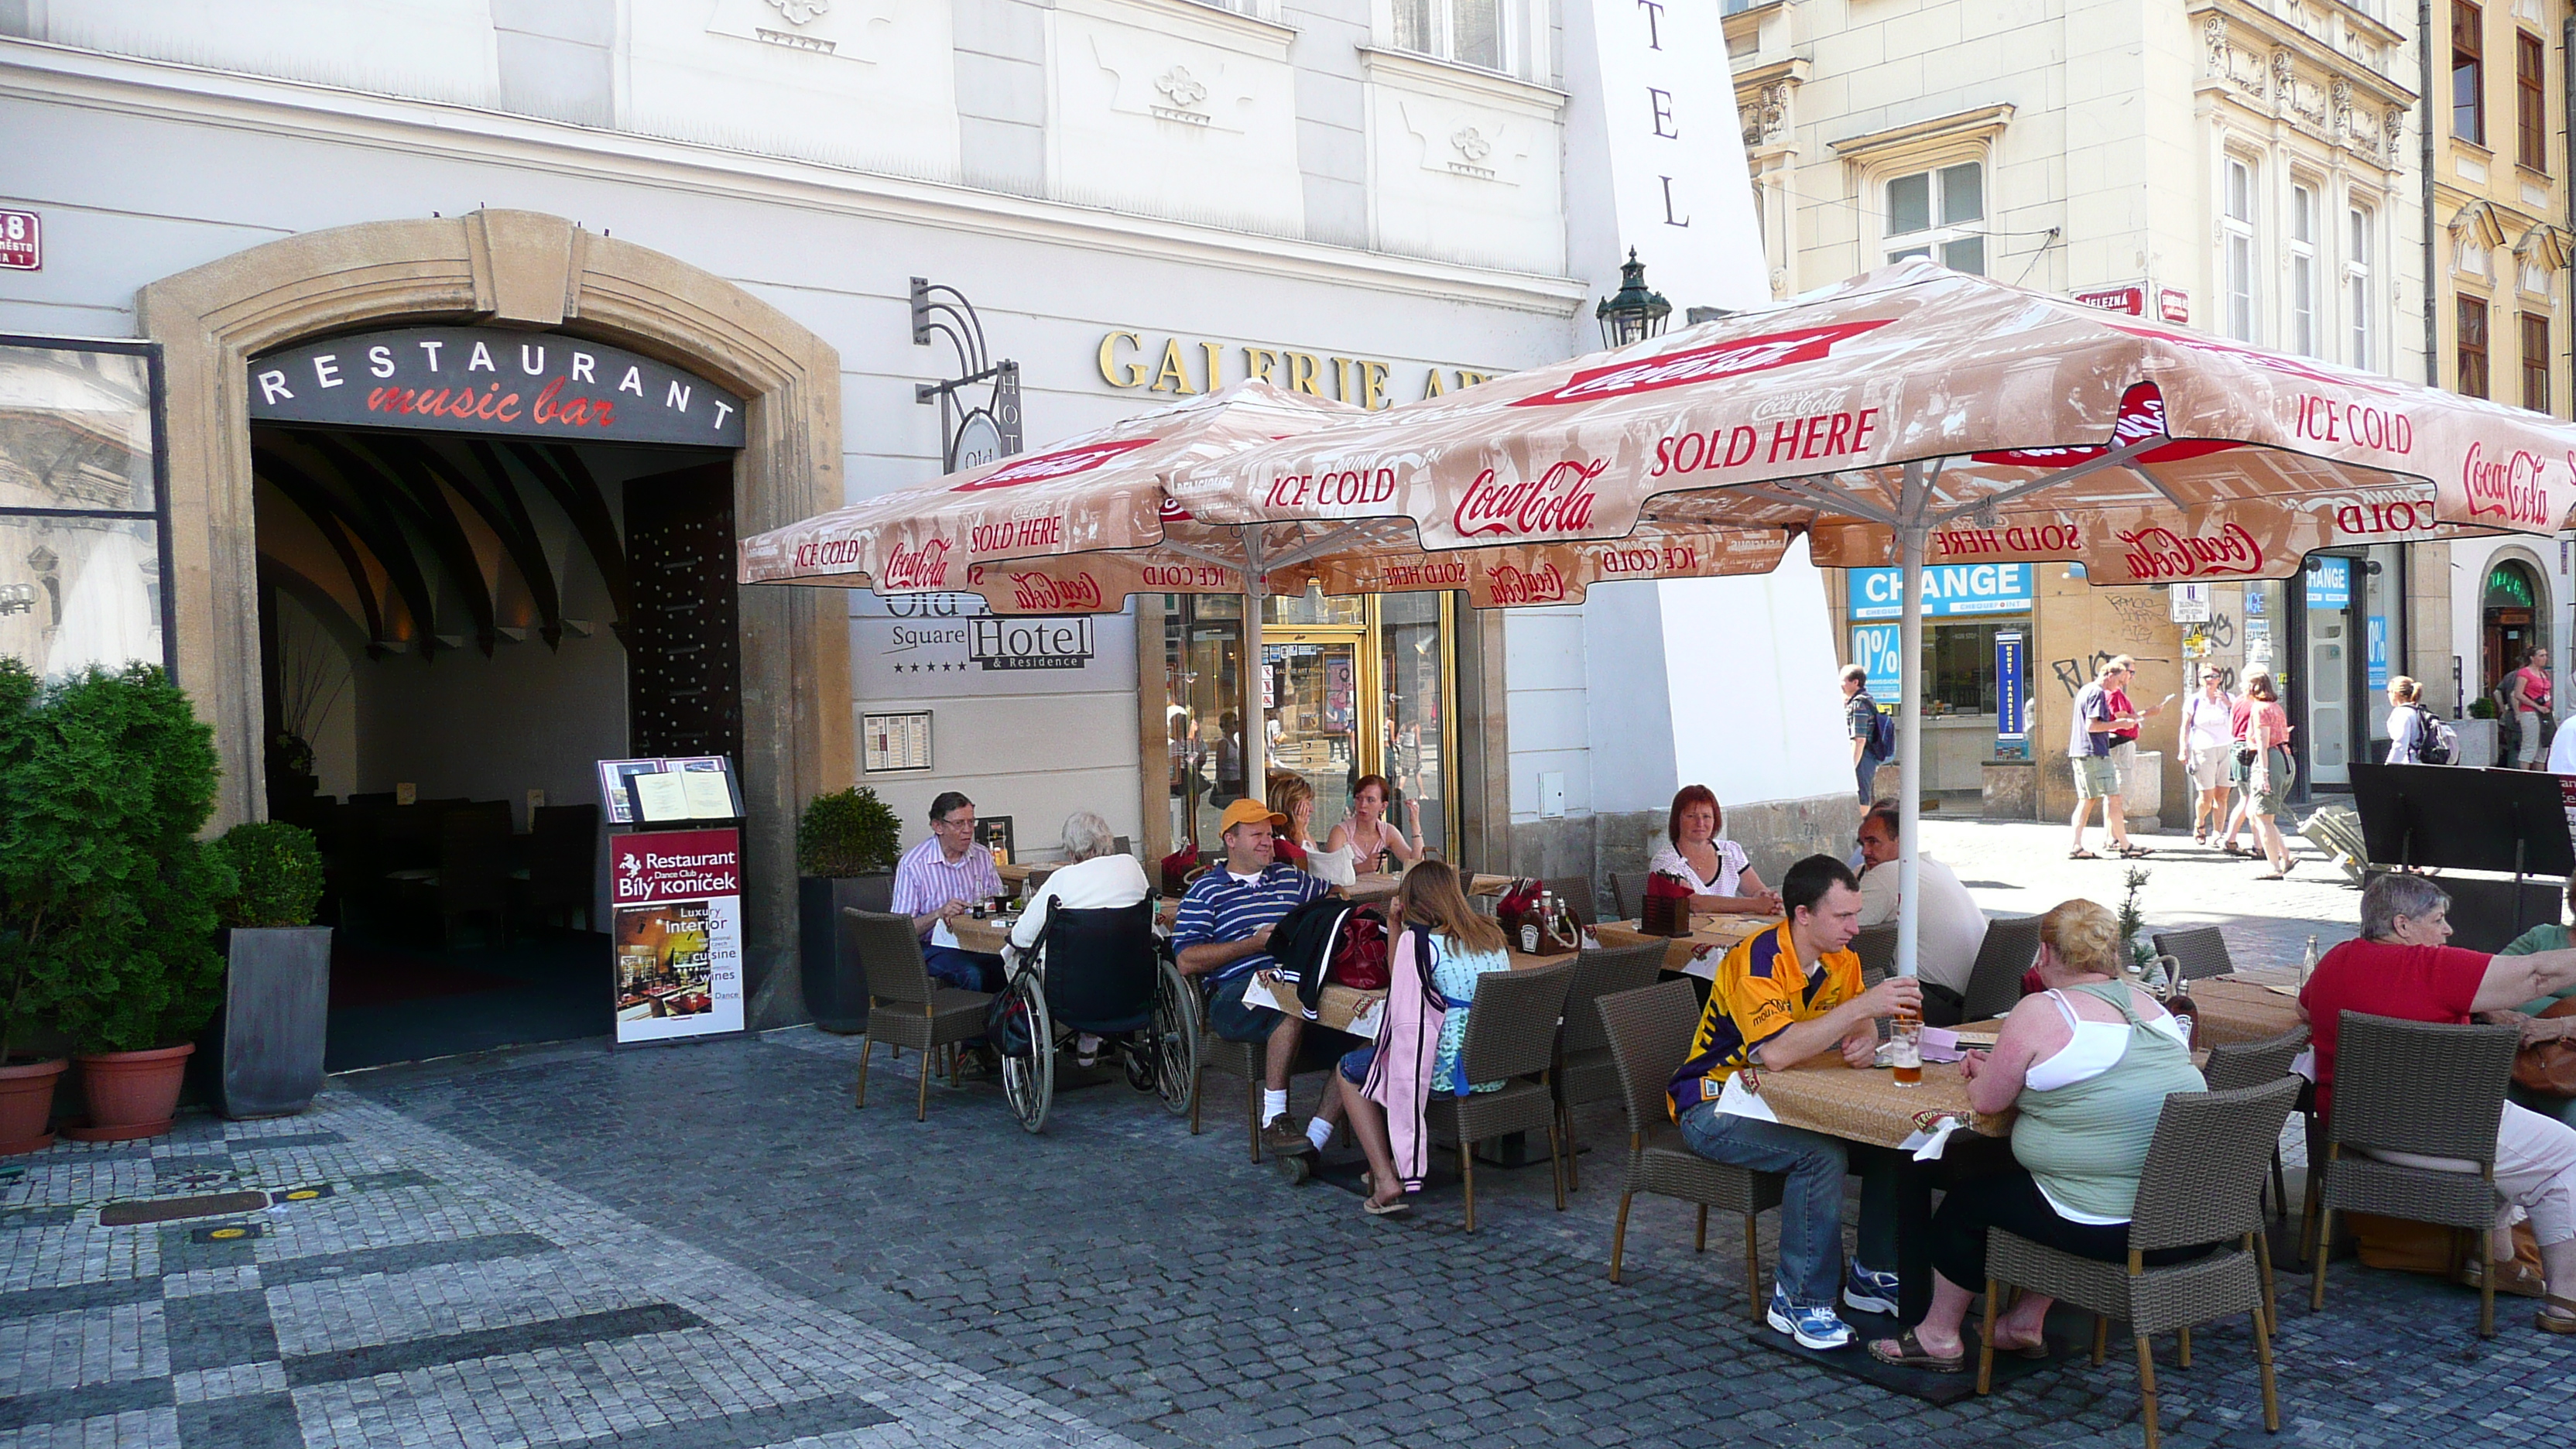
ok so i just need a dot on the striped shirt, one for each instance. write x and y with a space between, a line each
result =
925 879
1219 908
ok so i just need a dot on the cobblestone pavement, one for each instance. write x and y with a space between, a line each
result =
707 1245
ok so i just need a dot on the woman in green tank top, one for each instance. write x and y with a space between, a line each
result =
2550 937
2088 1063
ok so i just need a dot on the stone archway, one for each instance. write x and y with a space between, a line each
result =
519 269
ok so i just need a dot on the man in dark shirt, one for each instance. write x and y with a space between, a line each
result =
1860 721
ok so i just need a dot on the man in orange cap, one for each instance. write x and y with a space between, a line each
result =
1223 933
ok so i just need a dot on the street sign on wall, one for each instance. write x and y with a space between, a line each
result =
22 241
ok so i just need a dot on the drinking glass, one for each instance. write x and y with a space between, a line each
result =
1905 1049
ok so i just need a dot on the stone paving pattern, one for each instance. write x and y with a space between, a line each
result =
706 1245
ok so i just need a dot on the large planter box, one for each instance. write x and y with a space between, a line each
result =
2478 741
836 990
2011 789
261 1056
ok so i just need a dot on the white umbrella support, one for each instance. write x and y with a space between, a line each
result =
1256 733
1910 541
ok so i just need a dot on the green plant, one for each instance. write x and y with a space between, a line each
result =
2133 919
277 872
847 833
106 896
2482 708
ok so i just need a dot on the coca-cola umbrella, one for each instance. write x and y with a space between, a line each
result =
1919 415
1081 525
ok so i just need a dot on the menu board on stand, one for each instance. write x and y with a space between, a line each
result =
675 917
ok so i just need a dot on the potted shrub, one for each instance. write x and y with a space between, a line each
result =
262 1052
109 896
26 1078
845 851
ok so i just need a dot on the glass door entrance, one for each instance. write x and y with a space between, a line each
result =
1311 691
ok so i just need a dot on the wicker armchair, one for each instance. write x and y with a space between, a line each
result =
1511 1037
1877 948
905 1007
1650 1037
2201 950
2203 1182
2422 1087
1994 982
1583 1071
2251 1064
1628 893
1576 891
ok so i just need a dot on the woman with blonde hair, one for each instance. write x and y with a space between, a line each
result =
2410 727
2088 1062
1441 946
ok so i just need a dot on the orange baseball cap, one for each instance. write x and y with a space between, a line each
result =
1248 811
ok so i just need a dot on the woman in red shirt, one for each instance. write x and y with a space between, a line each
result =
2266 731
2403 967
2527 693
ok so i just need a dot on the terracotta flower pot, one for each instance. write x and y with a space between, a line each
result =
26 1104
131 1094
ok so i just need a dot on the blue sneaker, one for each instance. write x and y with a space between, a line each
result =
1867 1292
1813 1325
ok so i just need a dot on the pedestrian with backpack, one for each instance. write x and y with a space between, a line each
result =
2414 736
2209 743
1873 734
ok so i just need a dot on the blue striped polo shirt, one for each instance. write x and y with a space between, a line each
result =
1219 908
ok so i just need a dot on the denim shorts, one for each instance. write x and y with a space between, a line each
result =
1355 1065
1231 1020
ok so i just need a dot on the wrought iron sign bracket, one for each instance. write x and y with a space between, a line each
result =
971 433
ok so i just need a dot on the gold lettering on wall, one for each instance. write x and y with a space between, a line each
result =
1431 386
1261 362
1301 373
1114 372
1173 370
1215 365
1360 381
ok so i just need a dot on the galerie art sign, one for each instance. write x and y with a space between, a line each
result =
491 380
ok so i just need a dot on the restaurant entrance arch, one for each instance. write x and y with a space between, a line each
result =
530 273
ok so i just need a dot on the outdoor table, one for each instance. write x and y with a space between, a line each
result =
1488 885
985 935
1343 1009
1712 936
1372 887
2236 1009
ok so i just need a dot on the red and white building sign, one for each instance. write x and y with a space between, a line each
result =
22 241
676 933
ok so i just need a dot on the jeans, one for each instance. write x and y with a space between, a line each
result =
1811 1207
1232 1020
1867 772
965 970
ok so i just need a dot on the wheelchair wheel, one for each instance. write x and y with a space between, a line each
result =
1175 1044
1028 1082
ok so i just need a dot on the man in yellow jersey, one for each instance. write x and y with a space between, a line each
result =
1788 994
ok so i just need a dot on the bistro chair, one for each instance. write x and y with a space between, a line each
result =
1250 1060
2251 1064
905 1007
1576 891
1511 1037
2429 1088
1877 948
1628 893
2203 1182
1994 982
1650 1037
1583 1071
2201 952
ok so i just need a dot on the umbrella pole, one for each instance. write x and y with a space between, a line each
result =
1911 538
1256 736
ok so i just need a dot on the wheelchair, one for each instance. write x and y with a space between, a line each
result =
1107 974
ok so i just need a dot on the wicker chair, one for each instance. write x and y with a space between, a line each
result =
1576 890
1246 1059
2422 1087
1628 893
1583 1071
1994 982
2201 950
2203 1182
1511 1037
905 1007
1650 1036
1877 948
2251 1064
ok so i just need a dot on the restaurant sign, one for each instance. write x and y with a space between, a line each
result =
677 918
492 380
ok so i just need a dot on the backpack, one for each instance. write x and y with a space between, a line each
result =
1882 732
2441 743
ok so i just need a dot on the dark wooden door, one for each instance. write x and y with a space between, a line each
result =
684 640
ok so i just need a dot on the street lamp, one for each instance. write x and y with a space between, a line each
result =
1635 314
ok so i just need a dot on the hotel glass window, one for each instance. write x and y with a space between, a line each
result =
2303 270
2468 74
84 575
1930 214
2531 101
2535 361
2356 283
2236 226
2473 347
1470 32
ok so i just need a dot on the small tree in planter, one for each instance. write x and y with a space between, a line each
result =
845 852
26 1083
264 1049
105 888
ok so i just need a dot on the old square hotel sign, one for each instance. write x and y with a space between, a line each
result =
490 380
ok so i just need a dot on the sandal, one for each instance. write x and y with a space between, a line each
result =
2036 1352
1909 1353
2080 853
1376 1209
2200 837
2231 848
2556 1315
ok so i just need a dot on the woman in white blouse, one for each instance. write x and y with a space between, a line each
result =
1368 831
1720 877
2209 747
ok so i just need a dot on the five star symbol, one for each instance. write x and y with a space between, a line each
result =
931 667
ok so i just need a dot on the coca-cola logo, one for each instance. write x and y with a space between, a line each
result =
2161 553
1557 501
1510 585
1169 510
1732 358
925 567
1060 464
1041 593
2510 487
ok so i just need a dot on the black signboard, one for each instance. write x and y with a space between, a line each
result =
491 380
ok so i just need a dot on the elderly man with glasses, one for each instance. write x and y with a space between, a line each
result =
936 881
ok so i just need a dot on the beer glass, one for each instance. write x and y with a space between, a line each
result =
1905 1048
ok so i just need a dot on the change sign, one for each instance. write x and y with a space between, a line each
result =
1949 590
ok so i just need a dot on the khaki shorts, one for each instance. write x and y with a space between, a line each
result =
2210 764
2096 777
